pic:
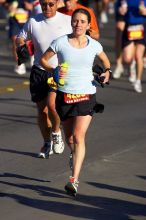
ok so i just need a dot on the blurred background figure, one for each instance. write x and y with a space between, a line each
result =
133 39
71 5
18 13
104 11
33 7
120 25
60 3
101 7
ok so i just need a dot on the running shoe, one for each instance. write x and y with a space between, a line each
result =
72 186
20 70
46 151
132 72
118 71
103 17
138 86
58 144
71 161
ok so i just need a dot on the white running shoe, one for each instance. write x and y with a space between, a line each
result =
132 72
138 86
72 186
58 144
118 71
21 69
103 17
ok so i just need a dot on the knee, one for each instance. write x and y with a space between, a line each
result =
77 138
139 58
127 59
43 112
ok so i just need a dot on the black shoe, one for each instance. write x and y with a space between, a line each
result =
46 151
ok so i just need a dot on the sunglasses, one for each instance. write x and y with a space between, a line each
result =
50 4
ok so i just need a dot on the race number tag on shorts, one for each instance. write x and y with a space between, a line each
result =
74 98
52 83
135 32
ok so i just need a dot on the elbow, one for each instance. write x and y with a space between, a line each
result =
42 62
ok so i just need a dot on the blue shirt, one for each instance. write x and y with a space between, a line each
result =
79 77
133 16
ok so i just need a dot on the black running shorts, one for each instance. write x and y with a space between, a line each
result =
126 41
66 111
39 88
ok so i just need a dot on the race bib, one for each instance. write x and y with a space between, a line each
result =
135 32
74 98
21 16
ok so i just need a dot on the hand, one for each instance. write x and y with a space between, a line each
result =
59 73
23 54
105 77
142 11
98 79
63 69
100 76
123 10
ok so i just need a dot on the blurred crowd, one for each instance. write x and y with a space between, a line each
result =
17 12
130 17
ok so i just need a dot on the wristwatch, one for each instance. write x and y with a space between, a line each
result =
108 69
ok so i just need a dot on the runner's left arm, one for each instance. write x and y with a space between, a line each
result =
106 65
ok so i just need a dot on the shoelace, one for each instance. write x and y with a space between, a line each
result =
56 138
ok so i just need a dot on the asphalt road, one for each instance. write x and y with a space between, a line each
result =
113 178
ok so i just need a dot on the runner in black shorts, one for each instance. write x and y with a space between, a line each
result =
134 39
38 31
76 99
66 111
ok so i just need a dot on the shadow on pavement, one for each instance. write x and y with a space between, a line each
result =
86 207
119 189
19 152
142 177
12 175
17 118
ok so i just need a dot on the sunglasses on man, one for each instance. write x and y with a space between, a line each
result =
49 4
